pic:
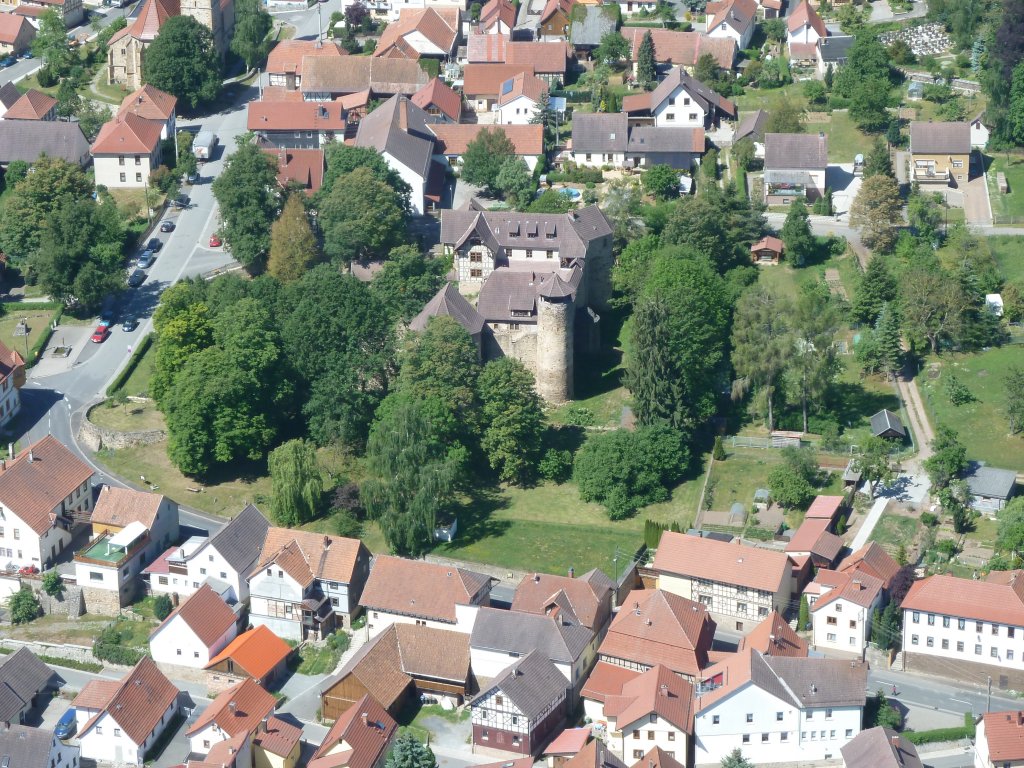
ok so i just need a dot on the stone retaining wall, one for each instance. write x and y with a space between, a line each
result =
95 437
104 602
71 652
69 602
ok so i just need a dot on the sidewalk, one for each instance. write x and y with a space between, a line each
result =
868 526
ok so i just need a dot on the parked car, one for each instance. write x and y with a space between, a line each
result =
100 334
193 177
146 259
67 725
7 61
129 324
136 278
181 201
27 55
166 226
215 241
154 244
107 317
28 570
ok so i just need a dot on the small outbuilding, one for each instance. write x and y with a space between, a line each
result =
767 250
915 91
990 487
887 424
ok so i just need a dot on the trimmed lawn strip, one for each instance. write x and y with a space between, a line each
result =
1010 205
1009 255
138 383
129 417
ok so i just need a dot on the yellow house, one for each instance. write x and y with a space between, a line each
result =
940 152
276 744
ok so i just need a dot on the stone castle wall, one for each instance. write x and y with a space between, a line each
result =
95 437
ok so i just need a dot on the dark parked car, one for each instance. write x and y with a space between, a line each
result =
129 324
166 226
154 244
66 726
146 260
136 278
181 201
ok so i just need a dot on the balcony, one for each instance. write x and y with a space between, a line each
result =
114 550
930 175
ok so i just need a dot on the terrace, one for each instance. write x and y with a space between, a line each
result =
112 550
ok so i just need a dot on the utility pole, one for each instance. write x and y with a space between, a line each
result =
988 702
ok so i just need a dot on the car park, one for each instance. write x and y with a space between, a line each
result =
129 324
100 334
136 278
67 725
166 226
154 244
146 260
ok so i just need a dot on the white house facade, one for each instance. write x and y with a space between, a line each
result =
275 601
679 110
177 643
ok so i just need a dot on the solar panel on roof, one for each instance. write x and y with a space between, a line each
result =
506 87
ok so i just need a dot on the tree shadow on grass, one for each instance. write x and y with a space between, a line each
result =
601 371
476 522
853 405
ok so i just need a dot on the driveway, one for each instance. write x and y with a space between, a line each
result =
844 185
977 209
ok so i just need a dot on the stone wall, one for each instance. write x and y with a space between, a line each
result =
68 603
554 372
965 671
104 602
71 652
95 437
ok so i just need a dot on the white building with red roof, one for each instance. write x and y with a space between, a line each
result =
966 629
235 715
12 379
732 19
195 632
71 11
999 741
151 103
518 99
497 17
842 605
805 28
126 151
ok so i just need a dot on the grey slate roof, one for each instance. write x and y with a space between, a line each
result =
791 151
25 747
940 138
704 95
990 482
885 420
239 542
880 748
813 682
399 128
9 94
28 139
532 684
751 126
561 638
448 302
600 132
835 49
657 138
594 25
515 290
22 676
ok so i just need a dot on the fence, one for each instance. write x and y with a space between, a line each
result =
775 441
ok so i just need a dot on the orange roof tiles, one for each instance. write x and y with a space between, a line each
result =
485 80
286 58
10 362
10 27
437 94
826 507
874 560
547 58
147 24
495 11
657 627
699 558
256 652
366 728
120 506
859 588
682 48
970 599
312 554
589 595
95 694
568 742
149 102
240 709
606 680
304 167
296 116
422 589
523 84
772 244
805 14
454 138
33 105
127 134
1004 733
205 613
278 737
657 758
774 637
657 691
440 26
39 479
138 702
595 754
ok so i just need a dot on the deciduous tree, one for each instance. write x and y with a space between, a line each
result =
786 116
247 193
613 48
183 61
948 459
293 247
250 40
661 181
51 43
1010 533
762 347
484 157
23 606
516 182
362 217
932 306
342 159
874 463
513 422
408 281
52 185
814 365
877 211
297 487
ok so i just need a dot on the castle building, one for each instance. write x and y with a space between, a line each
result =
540 280
126 48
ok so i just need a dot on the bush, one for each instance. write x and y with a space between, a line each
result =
958 392
940 734
37 349
109 646
575 175
23 606
162 607
57 661
579 416
133 363
347 525
53 584
718 452
47 78
929 520
555 465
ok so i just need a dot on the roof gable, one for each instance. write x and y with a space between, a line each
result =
256 652
39 479
205 613
238 710
700 558
367 729
419 588
532 684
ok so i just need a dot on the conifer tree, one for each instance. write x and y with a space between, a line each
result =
646 68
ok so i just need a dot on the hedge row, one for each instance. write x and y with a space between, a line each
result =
118 654
40 346
57 661
132 364
939 734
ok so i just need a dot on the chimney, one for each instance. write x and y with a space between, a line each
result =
648 622
10 451
536 578
366 721
895 741
572 572
233 705
664 689
3 464
772 640
814 688
31 456
327 542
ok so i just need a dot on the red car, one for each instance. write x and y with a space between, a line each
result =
28 570
100 334
215 241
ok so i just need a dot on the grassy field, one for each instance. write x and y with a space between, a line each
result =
138 383
129 417
747 469
223 496
1010 205
1009 255
133 201
982 425
317 660
984 531
57 629
845 139
38 320
893 530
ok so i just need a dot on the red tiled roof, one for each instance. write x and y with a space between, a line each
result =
316 555
699 558
486 49
366 728
138 702
772 244
454 138
657 627
495 11
547 58
437 94
486 79
147 24
803 50
440 26
589 595
657 758
304 167
682 48
33 11
10 27
805 537
657 691
296 116
551 7
120 506
127 134
33 105
286 58
256 652
523 84
970 599
149 102
805 14
96 694
606 680
280 93
741 12
774 637
568 742
10 361
824 506
278 737
205 613
39 479
240 709
859 588
874 560
419 588
1004 733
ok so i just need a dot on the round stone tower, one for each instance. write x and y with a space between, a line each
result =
555 316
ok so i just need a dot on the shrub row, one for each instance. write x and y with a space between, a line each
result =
133 363
40 346
84 666
939 734
118 654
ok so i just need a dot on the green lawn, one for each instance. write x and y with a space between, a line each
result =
747 469
1008 208
893 530
128 417
1009 255
845 139
754 98
38 320
138 383
982 424
984 532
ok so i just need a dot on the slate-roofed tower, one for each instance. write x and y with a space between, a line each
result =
555 323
